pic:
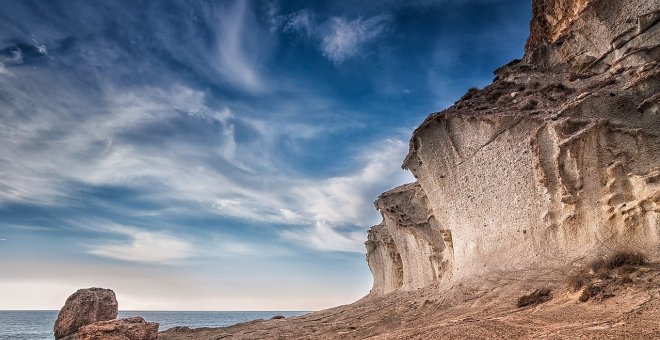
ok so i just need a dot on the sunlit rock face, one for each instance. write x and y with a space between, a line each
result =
410 240
384 260
557 161
551 18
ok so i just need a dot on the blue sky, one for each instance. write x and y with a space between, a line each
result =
219 155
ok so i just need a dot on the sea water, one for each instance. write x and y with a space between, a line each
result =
37 325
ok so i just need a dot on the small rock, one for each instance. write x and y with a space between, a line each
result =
84 307
583 94
277 317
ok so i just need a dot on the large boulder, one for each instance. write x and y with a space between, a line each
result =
84 307
134 328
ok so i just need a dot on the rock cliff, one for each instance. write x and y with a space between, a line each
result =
534 197
556 162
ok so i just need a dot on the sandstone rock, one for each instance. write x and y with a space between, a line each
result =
550 178
409 245
384 260
134 328
550 18
85 307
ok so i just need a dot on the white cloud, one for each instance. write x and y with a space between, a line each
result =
323 236
41 48
340 208
301 22
238 47
345 38
5 71
15 59
144 246
338 38
347 200
222 175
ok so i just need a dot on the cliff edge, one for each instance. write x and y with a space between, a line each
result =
553 164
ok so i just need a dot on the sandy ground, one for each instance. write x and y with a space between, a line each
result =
487 310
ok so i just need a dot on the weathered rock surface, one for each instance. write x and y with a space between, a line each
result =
557 161
134 328
84 307
410 249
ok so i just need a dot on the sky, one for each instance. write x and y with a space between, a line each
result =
219 155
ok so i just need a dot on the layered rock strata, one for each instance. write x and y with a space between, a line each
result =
557 161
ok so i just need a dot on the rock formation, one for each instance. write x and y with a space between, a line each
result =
90 314
134 328
85 307
556 162
524 190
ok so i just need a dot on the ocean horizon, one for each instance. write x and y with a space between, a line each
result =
38 324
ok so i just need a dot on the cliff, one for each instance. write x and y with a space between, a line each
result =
554 163
537 200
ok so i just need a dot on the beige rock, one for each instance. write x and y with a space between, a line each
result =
409 244
561 178
85 307
134 328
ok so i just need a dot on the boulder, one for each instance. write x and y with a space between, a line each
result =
134 328
84 307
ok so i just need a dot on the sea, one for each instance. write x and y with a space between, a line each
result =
38 325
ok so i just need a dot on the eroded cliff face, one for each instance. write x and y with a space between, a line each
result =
557 161
410 239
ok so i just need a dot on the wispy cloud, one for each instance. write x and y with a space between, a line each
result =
302 22
343 38
14 58
186 149
212 171
338 38
339 208
41 48
144 246
238 47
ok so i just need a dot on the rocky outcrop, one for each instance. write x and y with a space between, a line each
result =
85 307
550 19
134 328
384 260
555 162
410 249
90 314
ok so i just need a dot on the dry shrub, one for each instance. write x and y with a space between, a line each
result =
590 291
625 258
579 280
536 297
598 264
605 274
471 92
